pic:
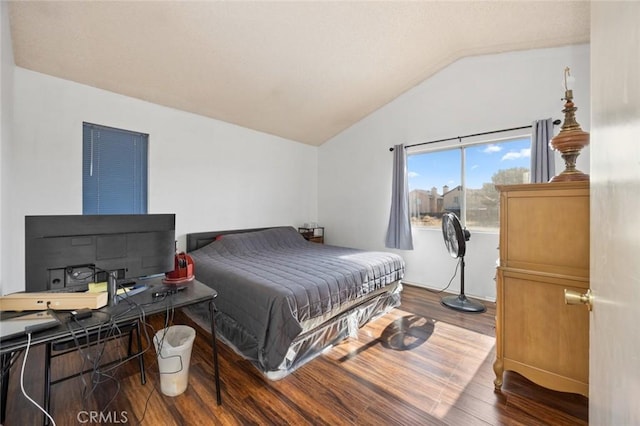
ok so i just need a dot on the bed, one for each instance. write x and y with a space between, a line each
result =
282 300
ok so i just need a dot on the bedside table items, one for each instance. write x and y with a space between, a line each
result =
312 232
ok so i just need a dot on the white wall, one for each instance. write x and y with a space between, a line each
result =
6 119
212 174
472 95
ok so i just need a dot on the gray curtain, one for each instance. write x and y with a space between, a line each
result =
542 164
399 230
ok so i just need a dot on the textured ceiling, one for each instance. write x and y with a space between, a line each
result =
303 70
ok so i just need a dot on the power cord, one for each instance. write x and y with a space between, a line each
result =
24 363
169 313
455 272
145 327
92 353
99 374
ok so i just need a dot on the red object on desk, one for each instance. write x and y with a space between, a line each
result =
183 270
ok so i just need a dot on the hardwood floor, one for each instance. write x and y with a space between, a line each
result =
421 364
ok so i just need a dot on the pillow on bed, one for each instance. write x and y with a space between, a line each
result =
265 239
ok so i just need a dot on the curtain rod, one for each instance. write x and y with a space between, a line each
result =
556 122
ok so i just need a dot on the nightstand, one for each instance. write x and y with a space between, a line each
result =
315 235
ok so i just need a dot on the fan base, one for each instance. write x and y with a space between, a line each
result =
461 303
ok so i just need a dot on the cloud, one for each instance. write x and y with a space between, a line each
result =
475 166
491 148
413 174
515 155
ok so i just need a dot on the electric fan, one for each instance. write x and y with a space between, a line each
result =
455 239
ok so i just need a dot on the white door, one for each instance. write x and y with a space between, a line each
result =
614 377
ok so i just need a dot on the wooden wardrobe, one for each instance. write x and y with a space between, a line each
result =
544 249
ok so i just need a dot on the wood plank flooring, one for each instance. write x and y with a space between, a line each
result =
421 364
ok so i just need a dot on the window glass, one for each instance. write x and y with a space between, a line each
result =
434 186
435 182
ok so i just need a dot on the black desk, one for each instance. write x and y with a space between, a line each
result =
127 310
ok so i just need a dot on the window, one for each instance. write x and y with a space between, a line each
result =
114 171
462 180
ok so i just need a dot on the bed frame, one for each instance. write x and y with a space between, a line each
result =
197 240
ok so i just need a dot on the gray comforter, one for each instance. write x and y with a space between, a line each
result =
270 281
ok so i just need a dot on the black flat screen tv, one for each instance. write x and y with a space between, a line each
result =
67 252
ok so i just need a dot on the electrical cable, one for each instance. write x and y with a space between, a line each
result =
84 275
145 327
14 357
169 314
24 363
146 403
455 272
92 353
155 385
114 325
168 320
94 357
100 373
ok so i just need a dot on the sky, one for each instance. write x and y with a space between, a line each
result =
482 161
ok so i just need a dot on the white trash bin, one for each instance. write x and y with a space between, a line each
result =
173 348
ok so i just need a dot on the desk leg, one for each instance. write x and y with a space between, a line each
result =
212 309
47 381
6 367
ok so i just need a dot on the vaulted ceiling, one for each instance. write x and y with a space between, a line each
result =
302 70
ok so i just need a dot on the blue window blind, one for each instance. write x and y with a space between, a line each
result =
114 170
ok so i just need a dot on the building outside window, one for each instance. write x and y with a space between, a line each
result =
462 180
